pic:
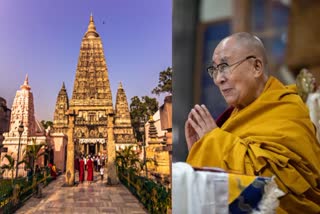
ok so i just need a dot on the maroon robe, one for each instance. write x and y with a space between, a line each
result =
76 164
54 172
224 116
90 170
81 170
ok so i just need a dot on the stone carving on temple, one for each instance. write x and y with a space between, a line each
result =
60 120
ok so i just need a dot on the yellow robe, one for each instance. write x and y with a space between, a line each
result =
272 136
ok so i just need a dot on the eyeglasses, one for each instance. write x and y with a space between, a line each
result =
224 68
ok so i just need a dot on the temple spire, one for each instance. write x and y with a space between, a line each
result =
120 86
63 86
26 84
91 32
26 80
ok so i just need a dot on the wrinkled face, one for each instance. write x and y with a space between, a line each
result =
238 86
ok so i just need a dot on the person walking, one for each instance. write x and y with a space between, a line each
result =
81 170
99 163
101 173
94 162
90 169
85 162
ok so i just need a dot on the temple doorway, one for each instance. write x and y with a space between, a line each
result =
92 149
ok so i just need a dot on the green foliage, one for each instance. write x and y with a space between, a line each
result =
127 159
155 197
165 82
7 204
5 188
46 124
141 110
33 153
10 166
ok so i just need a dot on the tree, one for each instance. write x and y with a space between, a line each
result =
33 153
165 82
140 111
46 124
10 166
151 104
128 160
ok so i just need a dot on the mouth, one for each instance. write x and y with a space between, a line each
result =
226 91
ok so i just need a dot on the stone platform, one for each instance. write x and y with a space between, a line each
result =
86 197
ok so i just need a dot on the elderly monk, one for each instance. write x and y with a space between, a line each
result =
266 131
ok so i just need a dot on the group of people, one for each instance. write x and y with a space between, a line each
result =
90 163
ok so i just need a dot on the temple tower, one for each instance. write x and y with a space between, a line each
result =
91 97
123 130
23 111
60 121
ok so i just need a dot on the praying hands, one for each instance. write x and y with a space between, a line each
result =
199 123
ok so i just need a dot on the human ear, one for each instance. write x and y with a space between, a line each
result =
258 68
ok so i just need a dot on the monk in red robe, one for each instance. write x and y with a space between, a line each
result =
54 171
90 169
81 170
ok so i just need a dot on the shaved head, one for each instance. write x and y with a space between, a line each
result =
247 42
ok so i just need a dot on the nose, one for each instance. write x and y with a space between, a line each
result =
220 78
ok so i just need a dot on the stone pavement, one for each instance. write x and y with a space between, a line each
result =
87 197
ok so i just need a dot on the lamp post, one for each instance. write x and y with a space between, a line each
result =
142 131
144 155
20 130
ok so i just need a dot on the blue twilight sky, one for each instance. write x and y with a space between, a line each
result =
42 38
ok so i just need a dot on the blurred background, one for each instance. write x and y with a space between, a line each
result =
289 30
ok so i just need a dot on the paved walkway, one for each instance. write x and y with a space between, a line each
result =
83 198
